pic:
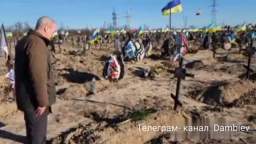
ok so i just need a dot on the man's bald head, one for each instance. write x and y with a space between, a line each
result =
44 20
46 26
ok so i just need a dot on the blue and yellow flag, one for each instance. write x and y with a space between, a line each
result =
172 7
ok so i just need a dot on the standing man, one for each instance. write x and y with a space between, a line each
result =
34 82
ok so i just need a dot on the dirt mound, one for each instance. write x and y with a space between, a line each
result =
196 64
248 98
165 139
6 94
234 69
224 93
126 130
7 109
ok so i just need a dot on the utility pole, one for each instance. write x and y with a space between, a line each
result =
185 21
114 18
128 20
214 12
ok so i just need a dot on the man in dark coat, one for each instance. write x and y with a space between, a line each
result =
34 80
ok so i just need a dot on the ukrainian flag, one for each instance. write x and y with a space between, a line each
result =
241 28
172 7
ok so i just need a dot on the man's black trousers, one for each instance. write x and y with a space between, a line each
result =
36 127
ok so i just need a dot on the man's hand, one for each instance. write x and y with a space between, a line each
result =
40 111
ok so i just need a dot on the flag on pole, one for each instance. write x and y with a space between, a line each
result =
95 34
183 42
94 37
3 43
172 7
241 28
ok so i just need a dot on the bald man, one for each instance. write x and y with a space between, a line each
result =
34 81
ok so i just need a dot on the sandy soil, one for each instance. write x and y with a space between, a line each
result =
114 115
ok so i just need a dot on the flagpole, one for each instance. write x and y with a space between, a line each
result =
170 27
170 21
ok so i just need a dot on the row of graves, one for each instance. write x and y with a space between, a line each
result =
137 45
